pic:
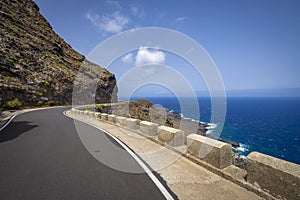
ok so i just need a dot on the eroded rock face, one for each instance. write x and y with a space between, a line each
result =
36 65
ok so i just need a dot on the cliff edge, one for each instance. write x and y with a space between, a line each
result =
37 66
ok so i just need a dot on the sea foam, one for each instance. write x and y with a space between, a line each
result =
241 148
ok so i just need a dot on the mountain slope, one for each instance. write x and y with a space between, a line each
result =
36 65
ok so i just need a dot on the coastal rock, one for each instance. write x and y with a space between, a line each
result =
144 110
37 66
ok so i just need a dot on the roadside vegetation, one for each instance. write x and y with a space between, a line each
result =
12 105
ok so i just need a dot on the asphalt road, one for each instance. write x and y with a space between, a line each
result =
42 157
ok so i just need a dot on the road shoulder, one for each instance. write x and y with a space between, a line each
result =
185 178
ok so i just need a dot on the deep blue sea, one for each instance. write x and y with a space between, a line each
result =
268 125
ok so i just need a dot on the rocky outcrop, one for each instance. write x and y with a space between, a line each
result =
37 66
144 110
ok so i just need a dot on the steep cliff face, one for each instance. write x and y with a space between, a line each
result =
36 65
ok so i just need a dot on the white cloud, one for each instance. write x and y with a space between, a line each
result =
181 19
146 56
127 58
113 23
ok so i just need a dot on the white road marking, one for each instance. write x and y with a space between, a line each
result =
26 111
6 124
160 186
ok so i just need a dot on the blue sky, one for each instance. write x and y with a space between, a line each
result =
254 43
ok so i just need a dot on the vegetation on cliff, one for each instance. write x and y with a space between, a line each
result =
37 67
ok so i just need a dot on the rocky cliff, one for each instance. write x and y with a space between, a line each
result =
37 66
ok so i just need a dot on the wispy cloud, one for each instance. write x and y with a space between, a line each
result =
113 23
181 19
134 10
146 55
128 58
112 18
113 3
137 12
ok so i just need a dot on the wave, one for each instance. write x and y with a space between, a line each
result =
242 148
211 126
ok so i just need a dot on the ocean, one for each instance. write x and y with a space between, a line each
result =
270 125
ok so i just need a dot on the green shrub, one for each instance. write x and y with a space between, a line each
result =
46 84
39 103
86 109
100 107
40 94
9 15
12 105
50 103
11 61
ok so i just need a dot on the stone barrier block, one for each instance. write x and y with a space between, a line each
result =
212 151
86 113
133 123
111 118
104 116
172 136
91 114
148 128
279 177
97 115
121 120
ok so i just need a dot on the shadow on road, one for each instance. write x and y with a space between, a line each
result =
20 127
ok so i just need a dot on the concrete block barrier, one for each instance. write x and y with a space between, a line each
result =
97 115
91 114
86 113
211 151
121 120
172 136
133 123
111 118
148 128
278 177
104 116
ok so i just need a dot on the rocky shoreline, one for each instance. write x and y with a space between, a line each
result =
144 110
203 127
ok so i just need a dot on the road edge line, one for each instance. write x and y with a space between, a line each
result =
7 123
20 112
155 180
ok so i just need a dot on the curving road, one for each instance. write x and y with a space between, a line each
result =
42 157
